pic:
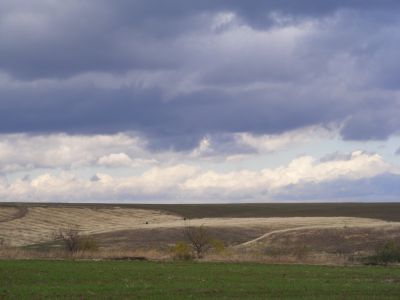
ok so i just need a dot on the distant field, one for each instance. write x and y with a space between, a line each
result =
150 280
383 211
312 233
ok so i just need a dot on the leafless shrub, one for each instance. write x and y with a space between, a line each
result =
73 241
69 237
199 238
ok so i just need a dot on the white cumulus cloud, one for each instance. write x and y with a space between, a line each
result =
187 183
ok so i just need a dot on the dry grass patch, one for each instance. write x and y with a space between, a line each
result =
11 213
165 237
39 223
345 240
330 245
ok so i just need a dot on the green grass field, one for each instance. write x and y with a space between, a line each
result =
153 280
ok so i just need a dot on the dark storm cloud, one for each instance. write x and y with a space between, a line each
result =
50 39
179 123
375 120
264 70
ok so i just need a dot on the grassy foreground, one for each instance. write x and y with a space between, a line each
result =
152 280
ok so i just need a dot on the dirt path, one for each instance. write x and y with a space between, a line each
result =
268 234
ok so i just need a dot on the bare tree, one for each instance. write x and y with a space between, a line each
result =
199 238
70 237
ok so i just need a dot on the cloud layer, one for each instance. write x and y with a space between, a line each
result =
180 71
303 177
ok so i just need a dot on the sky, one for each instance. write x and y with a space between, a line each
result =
207 101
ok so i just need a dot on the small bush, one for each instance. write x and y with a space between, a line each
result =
388 253
182 251
87 243
218 246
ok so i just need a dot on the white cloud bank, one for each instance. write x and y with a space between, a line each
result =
24 152
21 152
300 170
187 183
